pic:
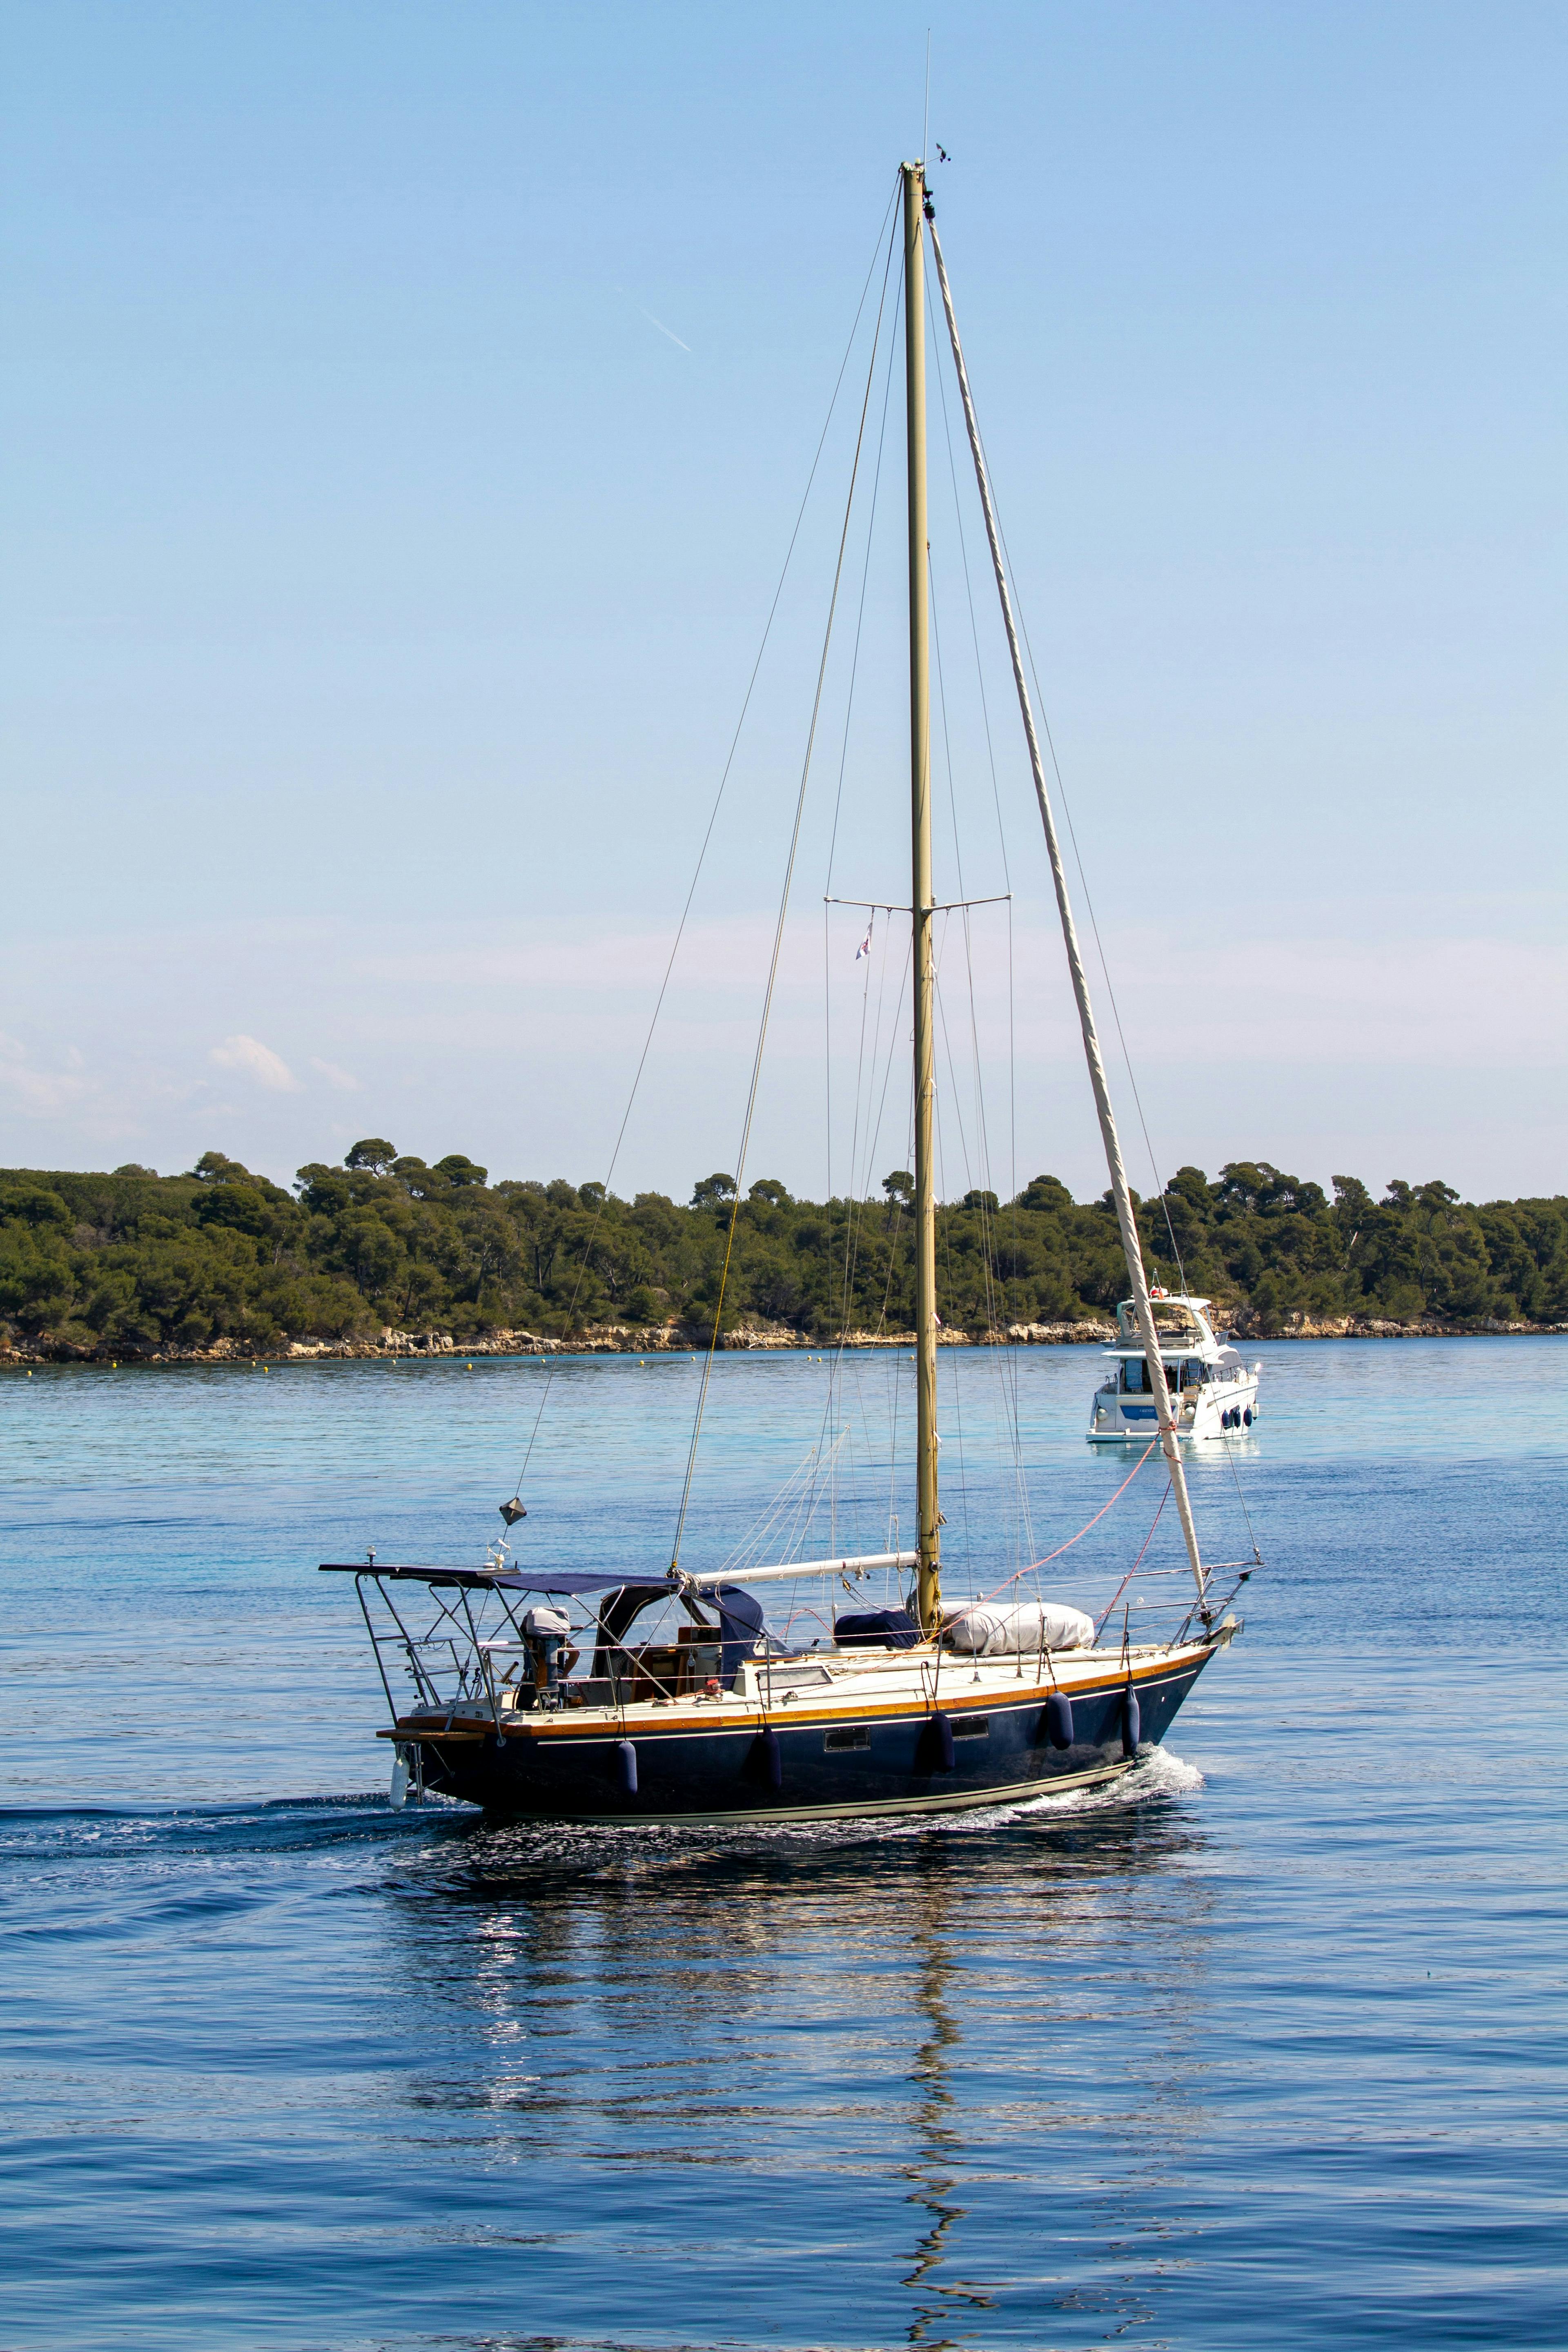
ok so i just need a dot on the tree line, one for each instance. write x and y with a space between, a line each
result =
134 1263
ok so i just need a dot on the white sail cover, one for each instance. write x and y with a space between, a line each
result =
992 1631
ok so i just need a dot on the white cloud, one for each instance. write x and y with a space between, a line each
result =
41 1093
248 1054
1390 1043
1439 1003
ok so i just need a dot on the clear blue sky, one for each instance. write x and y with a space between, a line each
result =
404 416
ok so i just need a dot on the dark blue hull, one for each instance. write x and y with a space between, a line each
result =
550 1770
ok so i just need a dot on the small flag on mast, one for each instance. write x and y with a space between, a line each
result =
865 946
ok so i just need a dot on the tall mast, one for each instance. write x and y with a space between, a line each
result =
928 1582
1142 1310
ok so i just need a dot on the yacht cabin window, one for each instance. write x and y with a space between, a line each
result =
1189 1374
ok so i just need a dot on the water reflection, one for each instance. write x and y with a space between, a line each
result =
950 2075
936 2124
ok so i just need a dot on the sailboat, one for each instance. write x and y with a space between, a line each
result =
507 1699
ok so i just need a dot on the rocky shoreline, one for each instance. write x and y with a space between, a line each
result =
669 1339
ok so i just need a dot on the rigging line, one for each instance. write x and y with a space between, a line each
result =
863 1206
862 1468
973 624
772 973
1046 1559
1011 1099
969 1184
946 1235
1126 1218
982 1154
870 528
892 1263
1002 843
859 1209
856 1218
875 1135
713 814
850 1252
1006 1385
854 1127
983 1140
958 1426
986 1233
893 1384
942 705
1067 806
849 712
797 1492
1087 894
1013 1277
1137 1563
1240 1496
851 1228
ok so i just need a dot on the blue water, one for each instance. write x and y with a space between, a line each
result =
1270 2049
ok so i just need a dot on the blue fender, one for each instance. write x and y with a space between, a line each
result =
1131 1722
940 1733
1058 1719
769 1760
627 1756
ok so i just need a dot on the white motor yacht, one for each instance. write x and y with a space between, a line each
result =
1213 1391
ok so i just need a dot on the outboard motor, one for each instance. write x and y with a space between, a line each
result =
547 1630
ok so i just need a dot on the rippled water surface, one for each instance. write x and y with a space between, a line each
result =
1265 2046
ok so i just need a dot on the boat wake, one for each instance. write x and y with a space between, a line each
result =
293 1824
112 1834
1157 1774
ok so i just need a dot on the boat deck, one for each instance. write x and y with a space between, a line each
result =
892 1685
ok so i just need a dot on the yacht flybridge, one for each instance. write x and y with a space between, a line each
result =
1213 1390
616 1692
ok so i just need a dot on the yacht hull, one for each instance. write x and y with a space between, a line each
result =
1223 1411
779 1767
